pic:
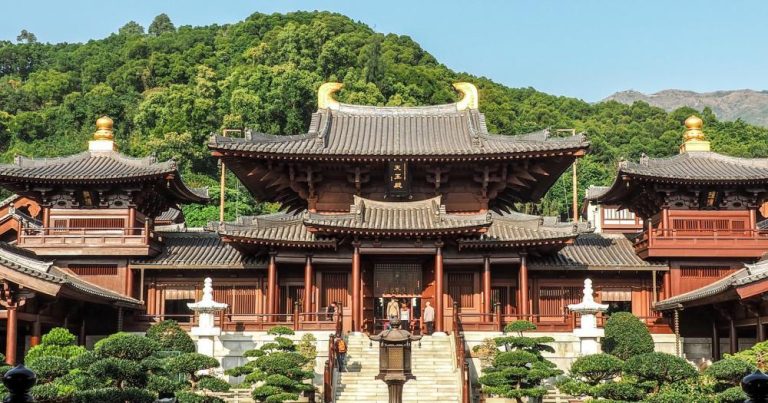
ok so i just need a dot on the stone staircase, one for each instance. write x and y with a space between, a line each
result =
437 380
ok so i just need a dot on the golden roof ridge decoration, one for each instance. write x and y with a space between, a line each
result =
469 99
325 99
104 136
693 138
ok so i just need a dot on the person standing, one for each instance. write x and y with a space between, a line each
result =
405 317
341 353
330 312
393 310
429 318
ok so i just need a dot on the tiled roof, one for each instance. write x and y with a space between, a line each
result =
699 166
27 263
170 216
369 217
197 250
279 229
514 228
371 132
99 167
596 252
749 274
593 192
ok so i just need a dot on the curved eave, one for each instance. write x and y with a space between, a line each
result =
396 232
512 155
246 240
478 244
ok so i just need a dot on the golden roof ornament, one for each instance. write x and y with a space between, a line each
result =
693 138
469 96
325 98
103 137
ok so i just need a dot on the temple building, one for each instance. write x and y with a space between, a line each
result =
416 204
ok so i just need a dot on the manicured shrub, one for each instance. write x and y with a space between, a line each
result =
486 352
596 368
657 369
519 371
171 337
281 330
50 392
58 342
161 384
191 397
619 391
731 395
213 384
114 395
728 372
189 364
83 361
308 348
756 355
126 346
626 336
48 368
119 373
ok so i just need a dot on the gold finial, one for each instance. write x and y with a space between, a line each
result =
103 137
469 96
325 98
103 129
693 138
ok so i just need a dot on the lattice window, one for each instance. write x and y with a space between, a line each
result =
553 300
397 279
334 288
707 271
461 289
85 270
100 223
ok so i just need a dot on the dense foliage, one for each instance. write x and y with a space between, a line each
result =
626 336
276 370
168 87
122 367
519 370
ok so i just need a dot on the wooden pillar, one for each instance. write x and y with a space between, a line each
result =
11 335
271 285
308 276
523 284
356 288
131 220
128 281
715 341
760 331
733 337
439 308
119 318
141 285
34 339
668 284
487 307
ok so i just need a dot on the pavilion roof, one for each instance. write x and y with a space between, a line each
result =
197 250
99 167
593 251
423 217
727 288
279 229
518 229
25 268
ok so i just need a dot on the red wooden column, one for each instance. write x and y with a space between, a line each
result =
715 341
356 288
11 334
523 285
34 339
439 309
487 307
733 338
668 284
308 276
271 285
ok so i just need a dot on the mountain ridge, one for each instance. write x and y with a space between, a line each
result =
748 105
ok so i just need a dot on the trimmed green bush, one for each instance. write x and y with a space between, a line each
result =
114 395
756 355
126 346
191 397
308 348
731 395
518 372
626 336
189 364
48 368
588 372
213 384
171 337
281 330
118 372
728 372
619 391
658 369
58 342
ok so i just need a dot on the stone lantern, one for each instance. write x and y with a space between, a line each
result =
206 331
588 332
395 359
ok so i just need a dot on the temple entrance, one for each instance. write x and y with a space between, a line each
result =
400 283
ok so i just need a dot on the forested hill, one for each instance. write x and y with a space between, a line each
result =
168 88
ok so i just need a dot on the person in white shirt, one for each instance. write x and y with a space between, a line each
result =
429 318
405 317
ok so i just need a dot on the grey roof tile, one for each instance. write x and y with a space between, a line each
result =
596 252
197 250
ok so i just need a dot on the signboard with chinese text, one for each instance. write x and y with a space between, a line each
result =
398 179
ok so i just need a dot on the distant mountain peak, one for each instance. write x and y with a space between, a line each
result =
746 104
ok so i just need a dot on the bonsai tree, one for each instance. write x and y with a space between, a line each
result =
308 348
517 372
486 352
189 364
277 371
171 337
654 370
626 336
58 342
756 355
726 375
589 372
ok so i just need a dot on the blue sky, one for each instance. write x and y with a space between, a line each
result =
587 49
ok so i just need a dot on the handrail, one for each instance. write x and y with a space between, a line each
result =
331 366
461 354
42 234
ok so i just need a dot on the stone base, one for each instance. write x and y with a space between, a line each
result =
439 334
205 331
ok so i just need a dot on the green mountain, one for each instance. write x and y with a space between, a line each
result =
169 88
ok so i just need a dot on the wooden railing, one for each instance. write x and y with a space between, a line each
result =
330 370
461 356
662 242
55 236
